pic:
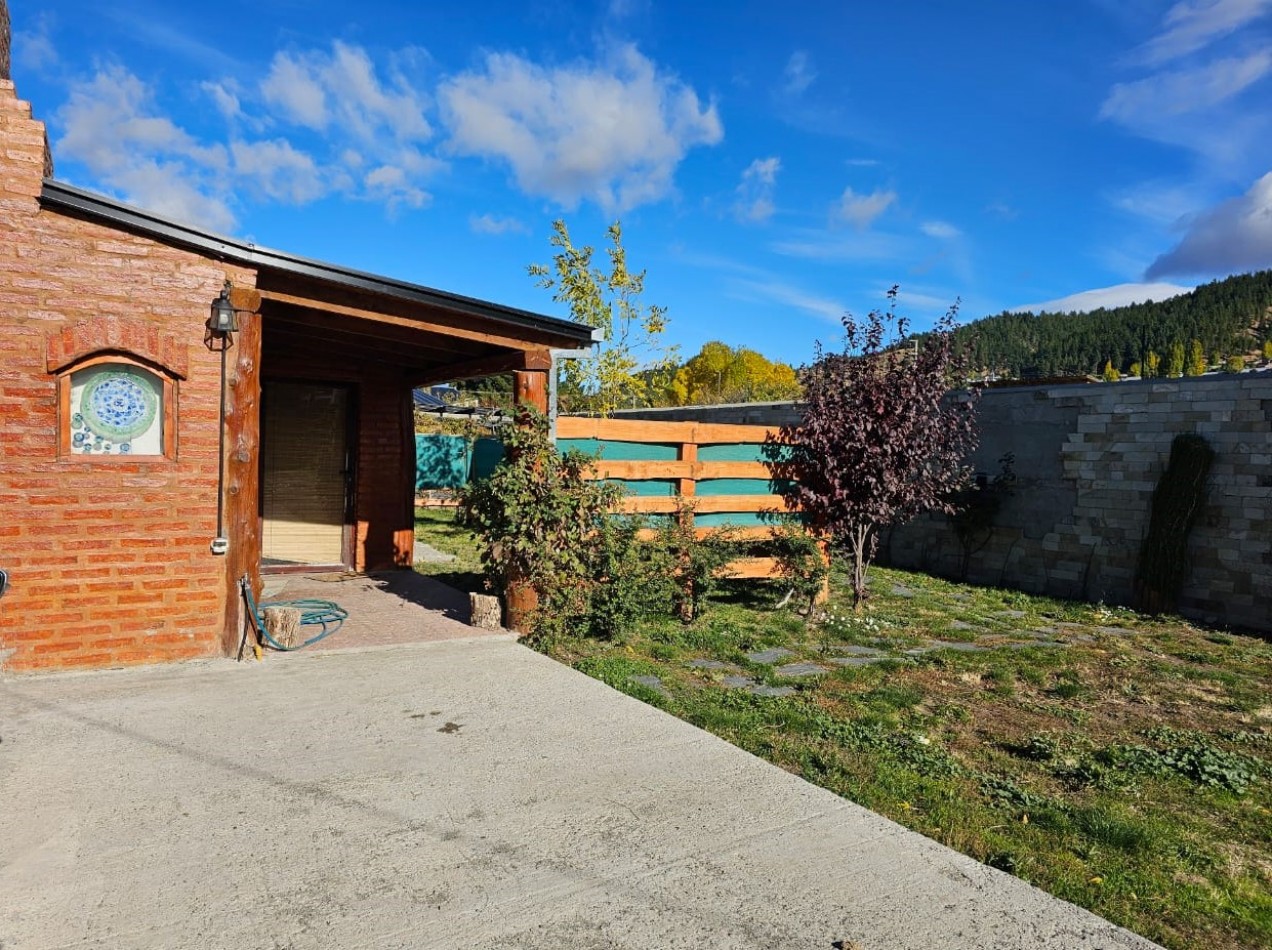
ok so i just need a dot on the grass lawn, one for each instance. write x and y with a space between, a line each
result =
1119 762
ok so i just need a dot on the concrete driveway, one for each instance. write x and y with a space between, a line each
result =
463 794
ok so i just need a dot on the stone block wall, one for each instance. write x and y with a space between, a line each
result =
1087 459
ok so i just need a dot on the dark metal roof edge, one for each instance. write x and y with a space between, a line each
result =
56 194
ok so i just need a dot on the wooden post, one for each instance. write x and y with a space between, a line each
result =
242 473
530 389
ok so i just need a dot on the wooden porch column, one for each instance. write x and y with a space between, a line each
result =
530 389
242 460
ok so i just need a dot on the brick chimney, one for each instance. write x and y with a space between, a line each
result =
25 159
5 39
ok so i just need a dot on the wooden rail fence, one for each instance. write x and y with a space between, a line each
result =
719 468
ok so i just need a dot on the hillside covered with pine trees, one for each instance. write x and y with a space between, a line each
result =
1229 318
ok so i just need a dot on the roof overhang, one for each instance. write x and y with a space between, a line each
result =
301 285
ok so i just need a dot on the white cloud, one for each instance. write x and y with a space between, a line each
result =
860 210
278 170
393 186
1231 237
292 88
109 124
755 192
799 73
225 97
1120 295
318 90
1146 102
611 133
1190 26
494 224
942 230
112 126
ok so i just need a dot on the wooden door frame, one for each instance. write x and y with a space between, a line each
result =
348 530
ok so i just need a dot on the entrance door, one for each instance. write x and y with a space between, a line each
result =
305 475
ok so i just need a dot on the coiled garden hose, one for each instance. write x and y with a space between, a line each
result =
325 614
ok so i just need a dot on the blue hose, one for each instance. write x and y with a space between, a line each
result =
320 613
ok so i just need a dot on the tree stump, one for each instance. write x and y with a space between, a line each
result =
283 625
483 611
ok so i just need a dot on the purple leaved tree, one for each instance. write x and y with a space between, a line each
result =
883 438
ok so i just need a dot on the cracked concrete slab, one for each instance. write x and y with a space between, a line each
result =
468 793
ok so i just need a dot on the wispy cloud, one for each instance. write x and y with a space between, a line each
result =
495 224
941 230
33 49
1120 295
1191 26
861 210
1231 237
799 73
789 295
755 192
611 132
842 247
1147 102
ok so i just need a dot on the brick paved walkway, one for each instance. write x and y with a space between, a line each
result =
386 609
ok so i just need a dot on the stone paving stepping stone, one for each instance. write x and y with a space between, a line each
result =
900 590
1012 614
771 655
799 669
653 682
855 650
1115 631
1034 645
772 690
959 646
963 625
856 660
738 682
701 664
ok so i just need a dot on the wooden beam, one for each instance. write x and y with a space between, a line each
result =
305 320
435 322
521 360
639 470
705 504
641 430
751 567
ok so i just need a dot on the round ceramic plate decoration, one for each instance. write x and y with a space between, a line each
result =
118 406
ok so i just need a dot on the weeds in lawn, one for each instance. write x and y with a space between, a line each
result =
1127 771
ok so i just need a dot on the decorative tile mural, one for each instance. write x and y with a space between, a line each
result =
116 409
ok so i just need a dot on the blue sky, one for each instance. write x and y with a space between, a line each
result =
773 164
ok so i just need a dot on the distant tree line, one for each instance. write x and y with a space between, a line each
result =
1215 324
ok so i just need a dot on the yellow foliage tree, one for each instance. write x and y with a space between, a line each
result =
721 373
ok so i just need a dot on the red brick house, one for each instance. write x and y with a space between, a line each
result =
116 473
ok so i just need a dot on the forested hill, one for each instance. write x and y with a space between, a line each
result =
1229 317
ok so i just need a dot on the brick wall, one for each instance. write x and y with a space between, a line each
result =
108 559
